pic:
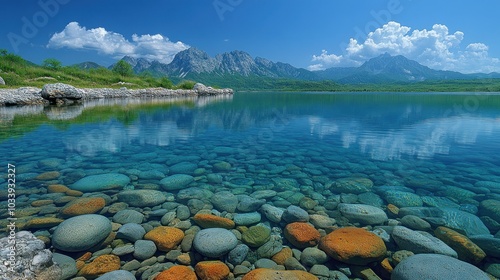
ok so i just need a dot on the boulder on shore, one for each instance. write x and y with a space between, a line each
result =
2 82
60 93
201 89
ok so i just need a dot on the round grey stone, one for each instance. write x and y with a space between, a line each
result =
144 249
81 232
183 212
238 254
123 250
101 182
313 256
67 265
265 263
225 201
142 198
128 216
295 214
176 182
436 267
117 274
417 242
416 223
363 214
246 219
273 214
214 242
131 232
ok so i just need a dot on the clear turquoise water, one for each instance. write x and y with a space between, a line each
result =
386 137
424 142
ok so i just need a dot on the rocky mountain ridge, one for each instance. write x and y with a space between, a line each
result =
194 63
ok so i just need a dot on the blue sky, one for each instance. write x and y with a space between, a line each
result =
461 36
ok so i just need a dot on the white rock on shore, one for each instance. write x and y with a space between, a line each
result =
62 94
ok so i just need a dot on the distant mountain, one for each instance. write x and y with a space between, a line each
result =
197 65
386 68
88 65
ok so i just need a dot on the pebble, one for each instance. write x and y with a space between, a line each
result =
295 214
237 255
247 219
214 242
209 270
142 198
271 274
131 232
176 182
465 248
177 272
353 246
313 256
419 243
265 263
363 214
224 201
101 182
144 249
256 236
436 267
165 238
81 232
128 216
67 265
273 214
301 235
249 204
415 223
117 274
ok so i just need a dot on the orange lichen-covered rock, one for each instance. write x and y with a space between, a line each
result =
466 249
392 210
100 265
57 189
212 221
85 257
212 270
282 255
165 238
74 193
81 206
42 202
45 222
177 272
353 246
271 274
302 235
48 176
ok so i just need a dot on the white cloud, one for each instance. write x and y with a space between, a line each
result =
436 48
152 47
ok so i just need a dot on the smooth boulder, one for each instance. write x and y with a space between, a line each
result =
101 182
81 233
436 267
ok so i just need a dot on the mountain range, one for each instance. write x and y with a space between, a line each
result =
195 64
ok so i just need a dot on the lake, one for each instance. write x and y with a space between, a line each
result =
434 157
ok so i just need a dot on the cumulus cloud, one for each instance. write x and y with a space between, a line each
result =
152 47
436 48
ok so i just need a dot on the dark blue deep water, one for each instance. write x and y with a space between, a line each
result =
444 148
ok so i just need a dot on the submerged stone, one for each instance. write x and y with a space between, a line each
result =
101 182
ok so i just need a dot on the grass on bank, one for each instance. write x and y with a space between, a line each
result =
18 72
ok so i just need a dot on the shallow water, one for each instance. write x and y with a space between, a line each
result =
425 142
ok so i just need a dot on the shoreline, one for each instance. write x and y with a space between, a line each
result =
33 95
